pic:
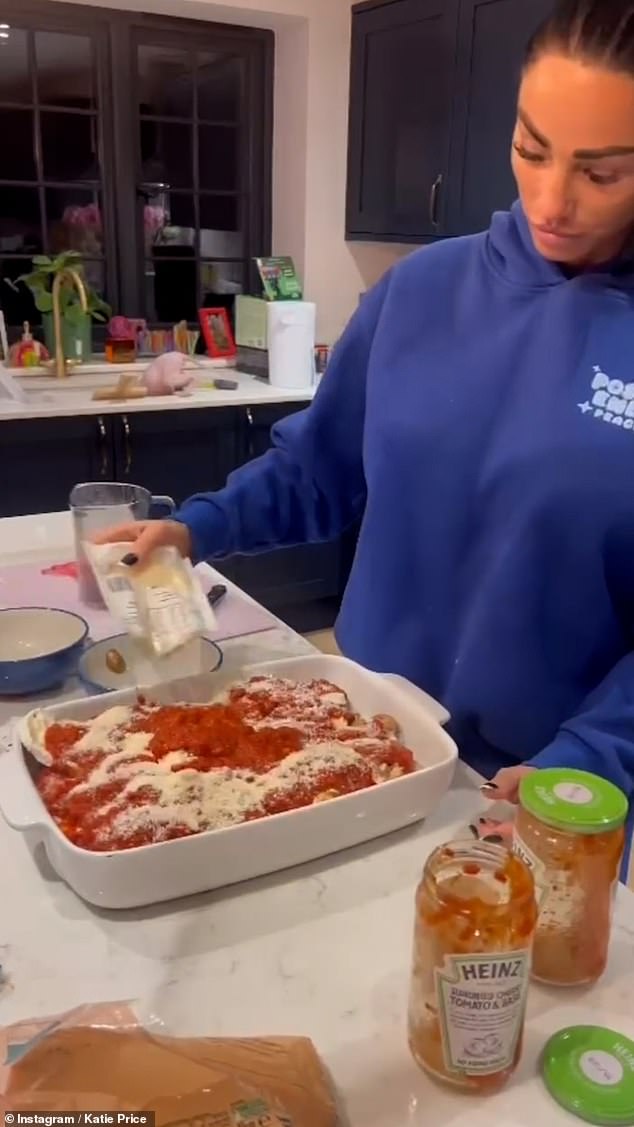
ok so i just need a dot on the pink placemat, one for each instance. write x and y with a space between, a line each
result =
56 586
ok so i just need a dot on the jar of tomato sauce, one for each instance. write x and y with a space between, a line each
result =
570 831
475 918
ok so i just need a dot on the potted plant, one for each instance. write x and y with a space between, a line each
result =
76 325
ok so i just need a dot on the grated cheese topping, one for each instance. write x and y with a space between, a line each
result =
151 773
102 731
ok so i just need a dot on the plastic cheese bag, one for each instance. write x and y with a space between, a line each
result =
101 1058
160 603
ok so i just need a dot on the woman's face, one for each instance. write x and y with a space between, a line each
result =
573 159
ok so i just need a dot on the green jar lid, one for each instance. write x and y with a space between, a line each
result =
590 1072
573 800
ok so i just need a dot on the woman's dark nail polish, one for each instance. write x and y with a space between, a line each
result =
474 831
489 786
494 839
130 560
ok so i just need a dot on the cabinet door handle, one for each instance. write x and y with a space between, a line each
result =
103 442
127 442
434 199
250 421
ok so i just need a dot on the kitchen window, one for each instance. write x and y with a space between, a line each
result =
144 143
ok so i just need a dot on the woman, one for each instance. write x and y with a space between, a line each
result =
478 415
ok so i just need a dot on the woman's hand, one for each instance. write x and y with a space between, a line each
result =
503 787
146 535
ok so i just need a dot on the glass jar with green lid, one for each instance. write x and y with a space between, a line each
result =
570 830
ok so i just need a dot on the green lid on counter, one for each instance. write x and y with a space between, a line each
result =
572 800
590 1072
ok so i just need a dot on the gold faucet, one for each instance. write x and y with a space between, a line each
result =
61 367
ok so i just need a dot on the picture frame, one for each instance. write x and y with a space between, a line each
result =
216 330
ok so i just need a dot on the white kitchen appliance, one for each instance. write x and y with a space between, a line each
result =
291 343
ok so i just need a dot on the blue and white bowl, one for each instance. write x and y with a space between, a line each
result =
39 648
199 656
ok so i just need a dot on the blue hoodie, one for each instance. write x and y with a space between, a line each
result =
478 415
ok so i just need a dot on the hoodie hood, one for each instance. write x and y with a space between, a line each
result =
511 252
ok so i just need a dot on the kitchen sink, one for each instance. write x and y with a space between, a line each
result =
87 377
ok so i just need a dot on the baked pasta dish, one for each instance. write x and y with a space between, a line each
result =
150 773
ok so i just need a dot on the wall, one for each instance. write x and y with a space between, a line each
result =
309 158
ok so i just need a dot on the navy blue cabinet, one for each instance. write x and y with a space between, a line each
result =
41 460
177 452
433 87
492 39
174 452
401 80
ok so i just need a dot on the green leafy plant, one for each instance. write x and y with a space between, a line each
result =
40 282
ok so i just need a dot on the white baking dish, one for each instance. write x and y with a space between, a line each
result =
153 873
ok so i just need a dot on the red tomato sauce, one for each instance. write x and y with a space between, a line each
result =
253 732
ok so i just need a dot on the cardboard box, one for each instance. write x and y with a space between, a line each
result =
250 318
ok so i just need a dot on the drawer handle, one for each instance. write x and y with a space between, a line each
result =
251 422
104 447
434 200
127 439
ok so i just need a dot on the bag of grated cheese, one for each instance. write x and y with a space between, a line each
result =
160 603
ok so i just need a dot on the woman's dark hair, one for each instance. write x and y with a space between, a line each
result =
596 31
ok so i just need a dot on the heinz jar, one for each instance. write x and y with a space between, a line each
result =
570 831
475 919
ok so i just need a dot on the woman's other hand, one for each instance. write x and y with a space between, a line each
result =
504 787
146 535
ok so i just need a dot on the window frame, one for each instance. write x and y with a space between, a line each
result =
115 35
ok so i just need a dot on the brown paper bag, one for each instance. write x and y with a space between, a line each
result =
92 1061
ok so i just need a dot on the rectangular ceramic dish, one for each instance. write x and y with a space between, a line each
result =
153 873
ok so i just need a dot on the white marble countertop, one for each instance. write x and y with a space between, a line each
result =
323 950
46 400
